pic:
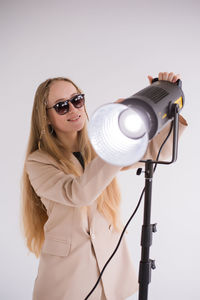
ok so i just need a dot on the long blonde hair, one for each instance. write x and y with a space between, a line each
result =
33 214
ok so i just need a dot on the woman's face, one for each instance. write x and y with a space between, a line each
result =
61 91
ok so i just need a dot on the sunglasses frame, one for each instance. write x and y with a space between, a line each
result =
66 102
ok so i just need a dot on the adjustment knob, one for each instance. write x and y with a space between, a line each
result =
153 265
154 228
139 171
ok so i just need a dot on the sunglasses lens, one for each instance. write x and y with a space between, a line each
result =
78 101
62 108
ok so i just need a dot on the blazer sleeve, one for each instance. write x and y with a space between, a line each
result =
156 142
51 183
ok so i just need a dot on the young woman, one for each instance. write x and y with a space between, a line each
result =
71 200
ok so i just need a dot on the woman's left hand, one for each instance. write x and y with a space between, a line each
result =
166 76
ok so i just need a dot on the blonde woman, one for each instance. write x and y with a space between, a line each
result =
71 200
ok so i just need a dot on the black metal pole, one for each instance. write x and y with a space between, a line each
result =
146 264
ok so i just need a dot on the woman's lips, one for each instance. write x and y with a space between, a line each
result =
72 119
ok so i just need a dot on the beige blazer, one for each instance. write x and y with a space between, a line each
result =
75 249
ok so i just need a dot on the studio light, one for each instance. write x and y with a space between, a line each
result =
120 132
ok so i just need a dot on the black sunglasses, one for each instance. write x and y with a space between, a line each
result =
63 107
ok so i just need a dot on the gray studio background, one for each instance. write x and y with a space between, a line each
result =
108 48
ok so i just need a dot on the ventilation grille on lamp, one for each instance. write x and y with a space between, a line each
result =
154 93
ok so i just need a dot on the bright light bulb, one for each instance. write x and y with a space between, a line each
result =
110 142
132 124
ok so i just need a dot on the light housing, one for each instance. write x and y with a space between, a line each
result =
120 132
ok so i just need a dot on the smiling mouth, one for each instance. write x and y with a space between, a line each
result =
74 119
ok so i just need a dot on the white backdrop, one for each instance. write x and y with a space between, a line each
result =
108 48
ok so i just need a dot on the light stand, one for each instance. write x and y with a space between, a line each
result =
120 133
146 264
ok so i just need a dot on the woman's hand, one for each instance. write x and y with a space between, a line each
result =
165 76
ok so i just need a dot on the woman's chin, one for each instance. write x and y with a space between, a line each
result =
78 126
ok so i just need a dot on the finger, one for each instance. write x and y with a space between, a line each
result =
170 76
165 76
150 78
160 76
176 77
